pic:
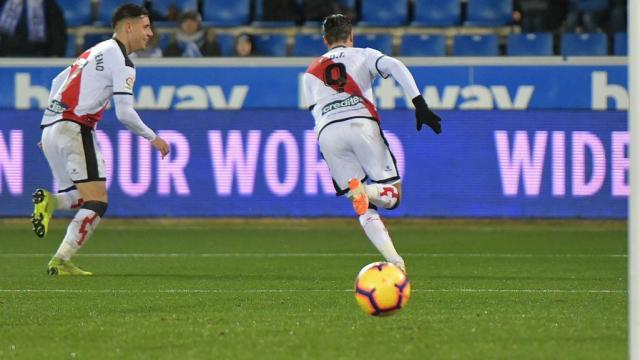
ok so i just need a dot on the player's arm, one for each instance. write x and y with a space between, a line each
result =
387 65
130 118
308 95
123 79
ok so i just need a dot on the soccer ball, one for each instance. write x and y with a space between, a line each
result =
382 289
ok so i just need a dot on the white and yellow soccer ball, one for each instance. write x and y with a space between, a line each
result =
382 289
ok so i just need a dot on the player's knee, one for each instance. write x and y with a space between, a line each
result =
95 191
99 207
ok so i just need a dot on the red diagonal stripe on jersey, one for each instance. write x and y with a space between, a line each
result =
317 69
71 96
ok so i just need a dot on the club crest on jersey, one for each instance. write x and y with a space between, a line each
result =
57 107
334 105
128 83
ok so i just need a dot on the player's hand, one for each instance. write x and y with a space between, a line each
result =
424 115
161 145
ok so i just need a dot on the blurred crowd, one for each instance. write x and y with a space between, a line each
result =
571 15
36 28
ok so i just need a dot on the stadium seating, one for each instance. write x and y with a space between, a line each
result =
348 3
589 5
436 13
164 39
271 44
489 12
226 42
76 12
259 18
384 12
106 9
308 45
593 44
423 45
382 42
475 45
538 44
225 13
311 24
164 7
71 49
92 39
620 44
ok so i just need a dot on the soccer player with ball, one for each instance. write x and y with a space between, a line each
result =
338 90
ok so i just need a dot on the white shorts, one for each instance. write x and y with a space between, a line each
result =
73 154
356 148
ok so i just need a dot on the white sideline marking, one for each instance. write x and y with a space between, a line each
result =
216 291
206 255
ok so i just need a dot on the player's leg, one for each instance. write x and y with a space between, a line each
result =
68 198
378 162
343 164
336 144
86 168
80 229
45 203
385 195
378 234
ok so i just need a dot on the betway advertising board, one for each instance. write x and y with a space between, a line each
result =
276 84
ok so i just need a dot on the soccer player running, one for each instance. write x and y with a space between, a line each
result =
79 95
338 90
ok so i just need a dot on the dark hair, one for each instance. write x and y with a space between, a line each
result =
190 15
336 27
244 37
127 11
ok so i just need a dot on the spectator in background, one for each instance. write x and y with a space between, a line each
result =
618 16
170 15
587 15
539 15
281 10
317 10
243 46
32 28
191 39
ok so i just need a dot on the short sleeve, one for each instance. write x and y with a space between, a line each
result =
124 76
307 93
373 56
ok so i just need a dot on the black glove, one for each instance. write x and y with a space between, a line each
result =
425 116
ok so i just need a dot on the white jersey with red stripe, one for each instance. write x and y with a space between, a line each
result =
338 85
81 92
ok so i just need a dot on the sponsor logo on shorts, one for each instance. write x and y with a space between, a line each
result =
350 101
57 107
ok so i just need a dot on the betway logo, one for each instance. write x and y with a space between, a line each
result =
471 97
185 97
604 95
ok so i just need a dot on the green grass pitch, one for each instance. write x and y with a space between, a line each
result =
282 289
